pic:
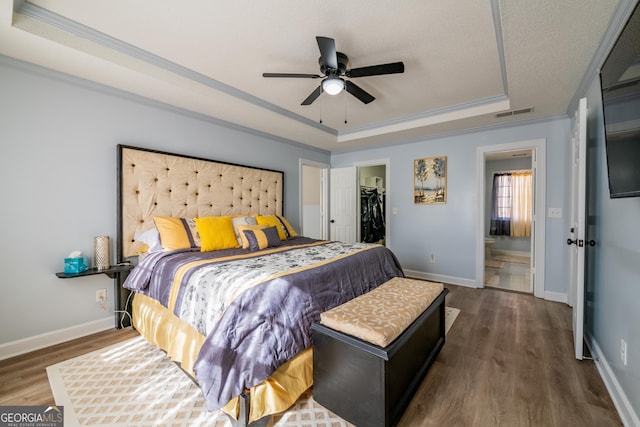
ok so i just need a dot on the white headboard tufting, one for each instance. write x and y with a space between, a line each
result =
154 183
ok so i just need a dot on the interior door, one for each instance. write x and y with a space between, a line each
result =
342 204
576 239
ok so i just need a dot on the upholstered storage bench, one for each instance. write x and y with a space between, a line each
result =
371 354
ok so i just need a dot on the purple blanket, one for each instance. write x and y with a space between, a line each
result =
267 324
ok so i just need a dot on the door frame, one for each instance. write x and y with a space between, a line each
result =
324 196
387 184
538 164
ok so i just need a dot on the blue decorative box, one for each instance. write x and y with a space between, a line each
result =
75 265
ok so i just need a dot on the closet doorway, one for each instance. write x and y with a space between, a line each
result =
373 181
347 188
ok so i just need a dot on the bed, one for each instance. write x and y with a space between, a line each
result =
235 311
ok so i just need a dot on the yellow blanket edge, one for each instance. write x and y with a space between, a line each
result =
182 343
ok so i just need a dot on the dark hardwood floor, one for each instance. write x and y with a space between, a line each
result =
507 361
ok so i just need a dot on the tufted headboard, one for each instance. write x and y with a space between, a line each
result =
155 183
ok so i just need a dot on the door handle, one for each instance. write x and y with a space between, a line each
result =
580 242
332 221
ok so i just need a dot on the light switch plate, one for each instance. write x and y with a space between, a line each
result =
555 212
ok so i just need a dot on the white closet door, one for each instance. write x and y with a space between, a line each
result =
343 208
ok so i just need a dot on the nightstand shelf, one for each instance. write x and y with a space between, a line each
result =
117 272
112 272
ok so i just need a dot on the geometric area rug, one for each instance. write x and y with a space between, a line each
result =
450 315
133 384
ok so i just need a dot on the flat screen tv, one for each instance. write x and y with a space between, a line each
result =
620 84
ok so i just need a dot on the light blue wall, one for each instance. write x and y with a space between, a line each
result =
613 265
449 230
58 138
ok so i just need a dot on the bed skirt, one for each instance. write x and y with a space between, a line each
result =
165 330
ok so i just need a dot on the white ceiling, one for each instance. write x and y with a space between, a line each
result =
465 60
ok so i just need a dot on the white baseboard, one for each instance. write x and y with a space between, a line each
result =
441 278
25 345
556 296
469 283
622 404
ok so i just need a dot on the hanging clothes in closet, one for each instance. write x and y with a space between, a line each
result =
372 226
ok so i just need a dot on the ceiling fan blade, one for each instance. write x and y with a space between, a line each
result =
376 70
358 92
302 76
314 95
328 51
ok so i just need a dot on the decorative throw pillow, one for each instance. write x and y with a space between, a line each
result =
216 232
177 233
288 229
272 221
242 220
243 228
262 238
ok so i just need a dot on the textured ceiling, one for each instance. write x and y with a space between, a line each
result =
464 60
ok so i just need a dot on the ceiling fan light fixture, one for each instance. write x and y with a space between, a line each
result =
333 85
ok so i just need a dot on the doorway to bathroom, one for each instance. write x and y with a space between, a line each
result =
511 194
508 215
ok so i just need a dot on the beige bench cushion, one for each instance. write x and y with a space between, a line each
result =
381 315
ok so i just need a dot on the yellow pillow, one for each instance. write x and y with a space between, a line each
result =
216 232
288 228
177 233
272 221
243 237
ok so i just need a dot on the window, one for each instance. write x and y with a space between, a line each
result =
502 187
512 204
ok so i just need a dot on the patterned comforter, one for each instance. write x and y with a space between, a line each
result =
256 308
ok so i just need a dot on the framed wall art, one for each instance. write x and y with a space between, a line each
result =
430 180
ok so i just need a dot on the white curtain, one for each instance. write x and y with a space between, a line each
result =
521 204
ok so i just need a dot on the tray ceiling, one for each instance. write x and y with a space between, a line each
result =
464 61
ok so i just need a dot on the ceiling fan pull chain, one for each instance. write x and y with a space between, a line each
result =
321 108
345 108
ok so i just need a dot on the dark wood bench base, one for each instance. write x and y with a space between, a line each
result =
371 386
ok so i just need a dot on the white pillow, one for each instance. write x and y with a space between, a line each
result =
242 220
151 238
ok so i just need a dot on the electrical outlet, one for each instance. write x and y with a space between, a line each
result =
623 352
101 295
432 258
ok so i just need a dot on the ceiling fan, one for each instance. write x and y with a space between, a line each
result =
333 65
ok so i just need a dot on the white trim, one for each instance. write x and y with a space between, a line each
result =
456 112
538 241
469 283
618 396
25 345
556 297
